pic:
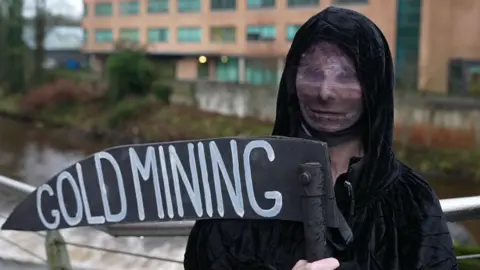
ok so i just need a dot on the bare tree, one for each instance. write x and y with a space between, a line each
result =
3 40
40 31
12 47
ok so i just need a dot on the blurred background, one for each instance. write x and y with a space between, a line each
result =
77 77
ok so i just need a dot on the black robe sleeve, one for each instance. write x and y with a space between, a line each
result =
244 245
425 242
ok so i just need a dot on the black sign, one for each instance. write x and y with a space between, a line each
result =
253 178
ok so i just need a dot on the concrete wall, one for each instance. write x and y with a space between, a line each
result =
229 99
439 121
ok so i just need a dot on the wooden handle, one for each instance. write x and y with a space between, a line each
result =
313 209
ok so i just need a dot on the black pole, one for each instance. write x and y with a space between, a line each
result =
312 178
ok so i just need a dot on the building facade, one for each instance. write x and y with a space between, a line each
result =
246 41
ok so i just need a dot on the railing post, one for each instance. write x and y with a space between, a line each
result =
57 253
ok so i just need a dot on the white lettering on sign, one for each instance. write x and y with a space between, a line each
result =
178 170
77 218
272 195
109 216
145 170
54 212
219 166
206 186
186 174
92 220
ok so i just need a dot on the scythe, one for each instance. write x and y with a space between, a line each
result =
222 178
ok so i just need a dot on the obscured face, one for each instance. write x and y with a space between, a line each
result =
328 89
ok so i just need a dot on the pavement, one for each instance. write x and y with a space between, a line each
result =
7 264
18 265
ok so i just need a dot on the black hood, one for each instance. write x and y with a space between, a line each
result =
398 222
359 37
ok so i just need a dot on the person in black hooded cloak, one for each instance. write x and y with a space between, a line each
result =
338 87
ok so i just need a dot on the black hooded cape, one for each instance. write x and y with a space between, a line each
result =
395 216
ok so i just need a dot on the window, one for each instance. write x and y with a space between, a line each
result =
85 9
473 78
157 6
85 35
103 9
203 70
261 71
456 76
103 35
189 34
261 33
129 7
255 4
189 5
464 76
223 34
157 35
303 3
130 34
409 20
408 43
223 4
292 30
226 69
350 1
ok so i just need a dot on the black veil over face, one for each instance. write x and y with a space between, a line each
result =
362 40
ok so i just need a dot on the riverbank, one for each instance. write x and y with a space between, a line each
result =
144 119
148 119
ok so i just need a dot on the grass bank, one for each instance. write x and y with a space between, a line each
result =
146 118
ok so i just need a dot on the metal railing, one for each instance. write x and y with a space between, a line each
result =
16 185
57 257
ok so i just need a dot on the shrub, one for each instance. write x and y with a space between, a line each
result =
129 73
53 75
475 88
162 91
468 250
58 93
125 110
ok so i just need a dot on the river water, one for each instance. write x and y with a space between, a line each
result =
33 154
